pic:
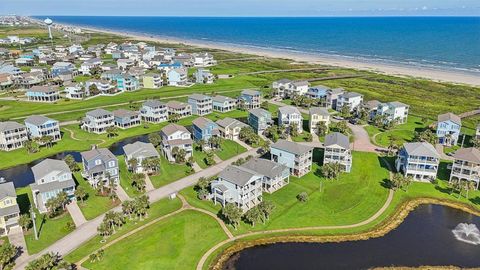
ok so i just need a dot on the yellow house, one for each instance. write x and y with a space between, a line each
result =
9 210
318 115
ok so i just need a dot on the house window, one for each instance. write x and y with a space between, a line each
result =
111 164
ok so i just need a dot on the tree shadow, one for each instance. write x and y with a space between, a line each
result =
386 183
445 190
23 203
475 200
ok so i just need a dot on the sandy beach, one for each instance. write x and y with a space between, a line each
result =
390 69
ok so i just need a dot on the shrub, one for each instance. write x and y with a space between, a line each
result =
302 197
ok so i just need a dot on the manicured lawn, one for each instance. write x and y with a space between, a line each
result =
401 133
169 172
125 178
229 149
200 157
93 205
156 210
301 137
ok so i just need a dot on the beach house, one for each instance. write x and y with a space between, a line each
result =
418 160
126 119
251 99
204 76
223 103
239 186
139 151
448 129
12 135
203 60
230 128
176 136
154 111
275 175
94 87
318 115
177 77
152 81
30 79
9 209
332 97
259 119
62 67
100 166
74 91
392 111
6 80
97 121
43 94
178 108
466 166
204 129
297 157
51 177
201 104
352 100
39 126
111 74
280 86
319 93
127 83
124 64
337 150
87 66
289 116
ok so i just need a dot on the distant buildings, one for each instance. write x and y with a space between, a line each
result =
204 76
203 60
9 210
297 157
418 160
12 135
39 126
466 166
201 104
448 129
337 150
152 81
177 77
176 136
100 166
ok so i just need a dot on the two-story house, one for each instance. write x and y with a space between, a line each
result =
102 87
418 160
223 103
337 150
352 100
177 77
178 108
97 121
203 60
126 119
39 126
288 88
176 136
74 91
230 128
251 99
275 175
466 166
289 116
448 129
43 94
154 111
9 210
62 67
100 166
239 186
139 151
12 135
204 129
393 111
259 119
297 157
51 177
201 104
318 115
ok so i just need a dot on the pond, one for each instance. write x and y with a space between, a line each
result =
424 238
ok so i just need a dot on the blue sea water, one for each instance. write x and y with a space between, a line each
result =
444 42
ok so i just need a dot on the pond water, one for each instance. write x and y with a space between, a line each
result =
424 238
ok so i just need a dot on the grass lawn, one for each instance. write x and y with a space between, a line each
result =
93 205
402 133
125 178
200 157
173 243
229 149
169 172
301 137
156 210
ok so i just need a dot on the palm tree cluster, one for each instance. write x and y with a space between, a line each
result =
111 221
293 129
426 136
272 133
112 131
248 135
155 139
203 187
232 214
321 128
400 181
341 127
303 101
138 181
25 221
241 161
136 208
31 147
56 205
72 164
97 256
179 154
459 186
331 170
210 158
7 256
49 261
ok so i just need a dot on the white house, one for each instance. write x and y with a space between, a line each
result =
289 115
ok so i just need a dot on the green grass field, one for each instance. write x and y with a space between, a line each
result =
169 172
229 149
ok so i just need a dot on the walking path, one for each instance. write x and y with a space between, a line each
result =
248 147
315 138
442 154
122 195
196 167
16 238
148 183
76 213
216 159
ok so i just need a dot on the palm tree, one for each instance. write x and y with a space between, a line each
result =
138 180
25 222
469 185
132 164
72 164
321 128
155 139
112 131
7 255
80 193
254 215
232 214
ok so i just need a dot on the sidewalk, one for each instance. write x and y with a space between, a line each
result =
76 213
122 195
148 183
15 237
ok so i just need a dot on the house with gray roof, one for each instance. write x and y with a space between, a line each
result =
126 119
51 177
337 150
179 108
352 100
223 103
139 151
392 111
229 128
418 160
288 116
39 126
176 136
448 129
100 166
297 157
466 166
154 111
239 186
97 121
43 94
275 175
259 119
280 86
251 98
12 135
204 129
333 96
201 104
9 210
318 115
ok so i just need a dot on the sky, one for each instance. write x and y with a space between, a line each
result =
227 8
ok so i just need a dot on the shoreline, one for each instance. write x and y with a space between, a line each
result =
401 70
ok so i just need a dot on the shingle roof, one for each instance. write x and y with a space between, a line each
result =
55 185
176 104
124 113
265 167
300 83
319 111
450 117
289 110
337 138
7 190
250 92
153 104
372 104
222 99
397 104
351 94
37 120
43 89
230 122
421 149
284 81
104 152
237 175
471 154
292 147
98 112
202 122
49 165
140 149
10 125
198 97
259 112
9 210
172 128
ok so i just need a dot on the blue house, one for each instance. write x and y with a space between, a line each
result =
448 129
204 129
127 83
40 126
259 119
251 98
201 104
43 94
117 54
62 68
296 156
318 92
111 75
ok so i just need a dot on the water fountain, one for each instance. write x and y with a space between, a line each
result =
468 233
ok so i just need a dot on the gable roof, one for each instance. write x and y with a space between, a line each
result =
230 122
198 97
172 128
450 117
7 190
237 175
337 138
202 122
421 149
222 99
319 111
103 152
140 149
153 103
351 95
124 113
38 120
9 125
292 147
250 92
288 110
49 165
98 112
176 104
265 167
259 112
471 154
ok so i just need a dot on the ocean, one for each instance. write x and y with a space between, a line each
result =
438 42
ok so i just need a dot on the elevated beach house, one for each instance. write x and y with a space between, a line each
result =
333 96
337 150
251 99
39 126
288 88
126 119
97 121
103 87
280 86
418 160
9 210
259 119
100 166
139 151
448 129
74 91
152 81
392 111
154 111
297 157
352 100
204 76
275 175
178 108
51 177
176 136
204 129
239 186
203 60
466 166
201 104
177 77
12 135
289 116
223 103
230 128
318 115
127 83
43 94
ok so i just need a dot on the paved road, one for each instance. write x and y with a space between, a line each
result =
88 230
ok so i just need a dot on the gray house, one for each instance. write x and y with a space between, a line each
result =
39 126
337 150
154 111
12 135
99 165
288 116
275 175
139 151
51 177
466 166
296 156
126 119
176 136
97 121
418 160
9 210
